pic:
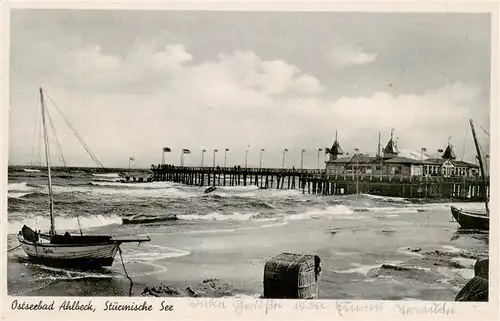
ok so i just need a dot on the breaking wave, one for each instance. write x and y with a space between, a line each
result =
19 190
107 175
63 223
220 217
389 199
20 187
314 213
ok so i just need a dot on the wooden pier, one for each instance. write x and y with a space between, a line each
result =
312 181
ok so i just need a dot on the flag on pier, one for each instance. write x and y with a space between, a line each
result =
440 150
286 150
215 150
186 151
262 150
227 149
131 158
166 150
203 150
303 150
423 149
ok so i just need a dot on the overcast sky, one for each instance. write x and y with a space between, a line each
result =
132 82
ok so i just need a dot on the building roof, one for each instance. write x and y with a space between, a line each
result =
441 161
363 159
465 164
436 161
341 160
403 160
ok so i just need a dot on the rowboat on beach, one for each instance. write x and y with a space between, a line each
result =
66 250
470 219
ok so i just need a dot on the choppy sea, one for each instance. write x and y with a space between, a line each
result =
372 247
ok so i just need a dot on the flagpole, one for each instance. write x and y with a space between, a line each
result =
246 158
317 161
283 163
261 151
302 159
422 160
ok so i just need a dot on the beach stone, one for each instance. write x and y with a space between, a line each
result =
209 288
395 267
476 290
161 290
481 268
408 273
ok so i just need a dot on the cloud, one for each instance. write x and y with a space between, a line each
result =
424 120
347 56
146 69
147 99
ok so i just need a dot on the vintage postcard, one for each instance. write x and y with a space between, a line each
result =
286 160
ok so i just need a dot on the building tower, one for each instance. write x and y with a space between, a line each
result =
335 151
448 152
391 149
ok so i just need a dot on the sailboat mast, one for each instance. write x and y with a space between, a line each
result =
47 159
481 166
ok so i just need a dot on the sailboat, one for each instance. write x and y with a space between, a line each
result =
66 250
471 219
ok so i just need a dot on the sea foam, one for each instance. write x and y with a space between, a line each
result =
63 223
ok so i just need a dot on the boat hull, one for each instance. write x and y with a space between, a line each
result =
70 255
470 220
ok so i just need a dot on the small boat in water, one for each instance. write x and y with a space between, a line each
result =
145 219
79 251
472 220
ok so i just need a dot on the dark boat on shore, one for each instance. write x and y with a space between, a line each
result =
468 219
471 220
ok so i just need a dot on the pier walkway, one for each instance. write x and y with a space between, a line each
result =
313 181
